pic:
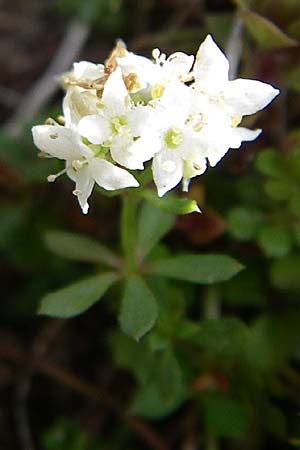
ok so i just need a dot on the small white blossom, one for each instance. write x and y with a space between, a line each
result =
181 154
222 103
85 165
121 126
158 73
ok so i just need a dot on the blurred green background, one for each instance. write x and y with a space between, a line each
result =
235 382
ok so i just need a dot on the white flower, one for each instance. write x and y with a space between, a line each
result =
120 125
181 153
156 75
85 165
222 103
85 70
80 98
77 103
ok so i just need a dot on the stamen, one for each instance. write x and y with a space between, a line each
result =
77 164
76 192
155 54
52 177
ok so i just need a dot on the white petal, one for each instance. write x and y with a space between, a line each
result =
241 134
178 65
211 67
85 69
120 153
111 177
248 96
115 93
95 128
78 103
57 141
167 171
139 65
132 154
176 98
84 187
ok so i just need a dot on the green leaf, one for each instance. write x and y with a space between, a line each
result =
79 248
271 341
153 224
243 223
284 273
226 416
77 297
279 189
275 240
294 204
138 309
65 435
149 403
201 269
265 32
223 336
170 203
269 162
169 376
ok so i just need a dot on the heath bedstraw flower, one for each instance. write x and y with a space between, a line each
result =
223 103
156 74
81 96
122 126
86 164
181 151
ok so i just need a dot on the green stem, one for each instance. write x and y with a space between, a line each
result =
128 231
211 304
211 310
212 442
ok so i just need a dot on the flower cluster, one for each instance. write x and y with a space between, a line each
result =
180 112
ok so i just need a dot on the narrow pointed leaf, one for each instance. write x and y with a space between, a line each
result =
170 203
79 248
138 309
153 225
265 32
76 297
200 269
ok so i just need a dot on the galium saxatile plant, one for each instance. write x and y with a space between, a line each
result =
128 124
179 114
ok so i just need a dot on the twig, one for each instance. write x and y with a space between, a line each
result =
234 46
45 87
63 376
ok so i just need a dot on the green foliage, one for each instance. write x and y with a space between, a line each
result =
244 222
284 272
170 203
77 297
200 269
66 435
266 33
226 416
79 248
138 309
224 336
153 225
275 240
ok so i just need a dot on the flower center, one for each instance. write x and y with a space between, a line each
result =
157 90
117 123
100 151
173 137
